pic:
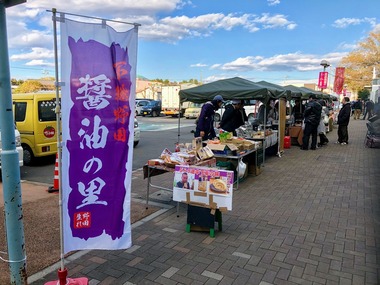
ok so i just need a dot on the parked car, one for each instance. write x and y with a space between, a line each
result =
18 148
249 106
36 120
153 108
139 103
137 134
193 110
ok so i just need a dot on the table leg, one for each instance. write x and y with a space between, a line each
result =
147 189
238 169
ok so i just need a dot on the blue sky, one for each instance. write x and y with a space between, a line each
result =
280 41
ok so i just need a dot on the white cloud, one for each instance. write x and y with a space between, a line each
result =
347 46
198 65
376 29
273 2
282 62
345 22
276 21
30 25
39 62
36 53
173 29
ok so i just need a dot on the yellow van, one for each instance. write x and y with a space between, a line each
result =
36 120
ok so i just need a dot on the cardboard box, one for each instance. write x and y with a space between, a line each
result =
197 143
205 153
226 149
254 170
248 145
217 147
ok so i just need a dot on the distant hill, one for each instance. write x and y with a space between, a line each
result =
142 77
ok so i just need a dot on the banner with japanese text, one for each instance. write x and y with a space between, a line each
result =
339 80
98 66
323 78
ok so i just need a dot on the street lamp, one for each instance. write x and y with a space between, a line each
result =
325 64
323 75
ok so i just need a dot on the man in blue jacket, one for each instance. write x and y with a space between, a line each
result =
312 116
343 120
205 123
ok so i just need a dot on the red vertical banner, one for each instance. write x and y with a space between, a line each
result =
322 81
339 80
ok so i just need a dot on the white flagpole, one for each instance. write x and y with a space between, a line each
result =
58 118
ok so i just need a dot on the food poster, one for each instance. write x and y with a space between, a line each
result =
203 186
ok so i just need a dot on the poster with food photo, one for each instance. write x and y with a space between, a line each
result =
202 185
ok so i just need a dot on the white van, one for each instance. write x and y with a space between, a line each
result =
18 148
249 107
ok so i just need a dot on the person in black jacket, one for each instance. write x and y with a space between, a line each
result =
343 120
205 121
232 117
312 116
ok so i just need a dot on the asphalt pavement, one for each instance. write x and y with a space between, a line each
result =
310 217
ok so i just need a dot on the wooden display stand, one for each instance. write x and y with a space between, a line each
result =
203 219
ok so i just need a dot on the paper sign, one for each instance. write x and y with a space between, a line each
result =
216 184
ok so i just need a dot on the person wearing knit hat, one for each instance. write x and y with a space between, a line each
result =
205 121
219 98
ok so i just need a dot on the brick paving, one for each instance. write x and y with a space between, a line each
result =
311 217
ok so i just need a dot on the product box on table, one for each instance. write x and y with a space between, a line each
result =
248 145
197 143
225 149
205 153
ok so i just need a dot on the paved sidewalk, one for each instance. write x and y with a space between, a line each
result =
311 217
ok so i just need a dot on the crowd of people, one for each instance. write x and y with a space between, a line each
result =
312 115
233 117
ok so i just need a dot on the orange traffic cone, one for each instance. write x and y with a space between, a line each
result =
55 186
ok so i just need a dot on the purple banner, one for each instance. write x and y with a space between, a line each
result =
98 145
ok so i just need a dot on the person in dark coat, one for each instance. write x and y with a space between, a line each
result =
343 120
297 111
357 109
312 117
205 123
368 109
232 117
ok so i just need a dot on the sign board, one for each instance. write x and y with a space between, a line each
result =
203 186
339 80
323 78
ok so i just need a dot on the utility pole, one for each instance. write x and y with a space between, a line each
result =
9 162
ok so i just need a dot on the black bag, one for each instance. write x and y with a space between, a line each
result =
372 141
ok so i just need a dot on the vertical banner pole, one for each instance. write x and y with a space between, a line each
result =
58 119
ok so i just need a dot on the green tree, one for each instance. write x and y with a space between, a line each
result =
193 81
16 82
163 81
360 62
363 94
29 86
